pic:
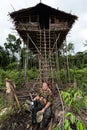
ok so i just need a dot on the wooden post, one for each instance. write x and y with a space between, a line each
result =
57 64
67 61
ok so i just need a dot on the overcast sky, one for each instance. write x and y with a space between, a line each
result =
77 35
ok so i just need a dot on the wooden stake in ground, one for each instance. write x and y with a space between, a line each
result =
10 91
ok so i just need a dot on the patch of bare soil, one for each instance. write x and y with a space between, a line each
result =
83 116
18 121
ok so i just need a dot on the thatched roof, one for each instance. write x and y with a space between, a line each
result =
40 9
62 25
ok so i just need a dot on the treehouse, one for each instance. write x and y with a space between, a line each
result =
43 30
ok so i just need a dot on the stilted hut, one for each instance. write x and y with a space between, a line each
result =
43 29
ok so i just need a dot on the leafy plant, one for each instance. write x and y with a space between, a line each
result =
80 125
72 122
73 99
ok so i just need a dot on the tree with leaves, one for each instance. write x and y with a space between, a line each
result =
12 45
70 48
4 57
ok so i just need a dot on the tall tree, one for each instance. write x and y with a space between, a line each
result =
70 48
12 45
4 57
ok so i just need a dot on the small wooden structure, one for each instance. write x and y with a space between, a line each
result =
43 29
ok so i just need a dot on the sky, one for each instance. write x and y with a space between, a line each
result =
78 33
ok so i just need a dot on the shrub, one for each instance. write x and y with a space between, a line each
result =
12 66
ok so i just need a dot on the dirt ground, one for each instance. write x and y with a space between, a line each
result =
19 121
22 120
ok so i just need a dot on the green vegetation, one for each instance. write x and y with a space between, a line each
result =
74 103
74 99
72 67
2 101
17 76
6 113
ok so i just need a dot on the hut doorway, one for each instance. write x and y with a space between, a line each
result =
44 21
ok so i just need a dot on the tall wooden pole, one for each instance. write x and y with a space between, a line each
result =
67 61
26 60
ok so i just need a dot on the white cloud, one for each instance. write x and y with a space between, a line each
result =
83 34
77 34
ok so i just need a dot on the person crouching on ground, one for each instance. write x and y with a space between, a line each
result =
42 103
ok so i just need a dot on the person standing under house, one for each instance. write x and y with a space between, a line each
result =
10 86
42 102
